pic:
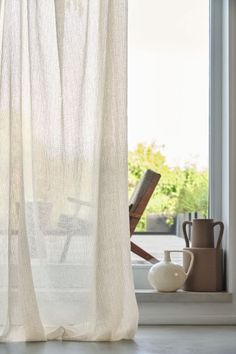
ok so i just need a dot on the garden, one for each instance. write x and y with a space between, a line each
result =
181 190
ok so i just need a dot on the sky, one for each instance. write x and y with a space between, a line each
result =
168 78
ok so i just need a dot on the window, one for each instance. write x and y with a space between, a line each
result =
211 308
168 114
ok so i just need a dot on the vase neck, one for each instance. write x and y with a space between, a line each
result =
167 256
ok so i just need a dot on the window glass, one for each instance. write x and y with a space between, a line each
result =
168 110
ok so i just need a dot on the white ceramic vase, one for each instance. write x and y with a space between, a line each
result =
167 276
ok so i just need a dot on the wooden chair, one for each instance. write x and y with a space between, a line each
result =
72 225
137 205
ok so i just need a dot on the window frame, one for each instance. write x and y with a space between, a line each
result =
216 125
210 312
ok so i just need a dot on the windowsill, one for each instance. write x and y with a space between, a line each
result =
180 296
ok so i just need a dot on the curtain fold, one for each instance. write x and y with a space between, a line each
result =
65 269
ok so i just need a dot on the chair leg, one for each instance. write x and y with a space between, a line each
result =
145 255
65 248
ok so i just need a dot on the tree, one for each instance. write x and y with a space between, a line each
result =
179 190
194 192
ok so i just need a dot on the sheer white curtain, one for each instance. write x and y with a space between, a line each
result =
65 269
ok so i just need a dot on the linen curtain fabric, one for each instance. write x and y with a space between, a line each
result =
65 270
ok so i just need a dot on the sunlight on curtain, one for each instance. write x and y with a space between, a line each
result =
65 270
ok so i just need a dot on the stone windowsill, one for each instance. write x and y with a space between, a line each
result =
147 295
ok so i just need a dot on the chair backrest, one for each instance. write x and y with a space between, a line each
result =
141 197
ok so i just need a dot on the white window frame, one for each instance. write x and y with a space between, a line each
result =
213 308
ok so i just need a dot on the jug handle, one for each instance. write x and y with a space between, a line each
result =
220 223
191 258
185 223
191 261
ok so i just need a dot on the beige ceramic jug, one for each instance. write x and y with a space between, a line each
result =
167 276
202 235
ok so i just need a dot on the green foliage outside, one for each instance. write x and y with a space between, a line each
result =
179 190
